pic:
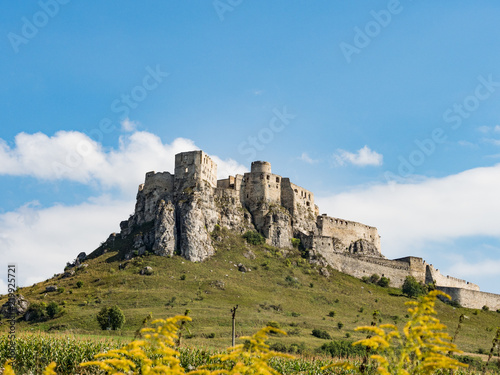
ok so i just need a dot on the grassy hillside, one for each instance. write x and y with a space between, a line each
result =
279 287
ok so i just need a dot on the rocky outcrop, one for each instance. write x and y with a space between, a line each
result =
278 227
165 230
18 306
364 247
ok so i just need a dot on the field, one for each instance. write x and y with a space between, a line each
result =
278 288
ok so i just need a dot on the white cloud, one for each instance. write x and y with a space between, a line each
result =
74 156
306 158
467 144
363 157
465 204
41 240
128 125
497 128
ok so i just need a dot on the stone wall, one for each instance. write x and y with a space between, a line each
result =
472 299
347 231
433 275
359 266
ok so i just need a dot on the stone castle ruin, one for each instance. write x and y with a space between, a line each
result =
177 212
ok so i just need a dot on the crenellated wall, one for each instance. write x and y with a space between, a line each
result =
347 231
472 299
433 275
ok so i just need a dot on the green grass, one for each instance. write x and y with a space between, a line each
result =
281 287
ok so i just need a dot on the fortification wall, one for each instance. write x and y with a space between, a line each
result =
417 267
472 299
347 231
366 266
433 274
161 181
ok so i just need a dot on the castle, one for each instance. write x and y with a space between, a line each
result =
175 214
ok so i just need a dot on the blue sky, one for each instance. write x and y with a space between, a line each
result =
386 110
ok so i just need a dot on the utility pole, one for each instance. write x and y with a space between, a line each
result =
233 333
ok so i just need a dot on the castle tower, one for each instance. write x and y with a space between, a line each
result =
194 167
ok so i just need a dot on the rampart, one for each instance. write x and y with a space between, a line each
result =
433 275
472 299
359 266
347 231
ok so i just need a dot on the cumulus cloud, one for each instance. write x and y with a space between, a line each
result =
363 157
75 156
128 125
412 216
41 240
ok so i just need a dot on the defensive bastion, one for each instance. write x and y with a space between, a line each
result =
177 212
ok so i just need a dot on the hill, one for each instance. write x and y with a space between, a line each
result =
278 286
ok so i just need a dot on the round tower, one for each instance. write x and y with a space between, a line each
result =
260 167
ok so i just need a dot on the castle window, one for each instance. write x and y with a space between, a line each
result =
277 179
309 196
296 191
261 176
268 178
308 204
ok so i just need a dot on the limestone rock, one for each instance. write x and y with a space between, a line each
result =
68 273
324 271
242 268
19 306
165 230
363 247
51 288
146 271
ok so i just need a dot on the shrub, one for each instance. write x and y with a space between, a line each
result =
384 282
211 335
254 238
295 242
273 324
321 334
111 318
412 288
331 314
340 325
183 276
485 308
79 284
36 311
342 349
374 278
53 309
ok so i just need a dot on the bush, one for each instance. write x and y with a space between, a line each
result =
254 238
183 276
321 334
412 288
79 284
340 325
331 314
374 278
485 308
295 242
111 318
384 282
343 349
36 312
53 309
273 324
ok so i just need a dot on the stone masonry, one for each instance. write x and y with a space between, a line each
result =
175 214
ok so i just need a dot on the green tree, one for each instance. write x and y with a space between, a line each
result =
384 282
53 309
111 318
254 238
412 288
